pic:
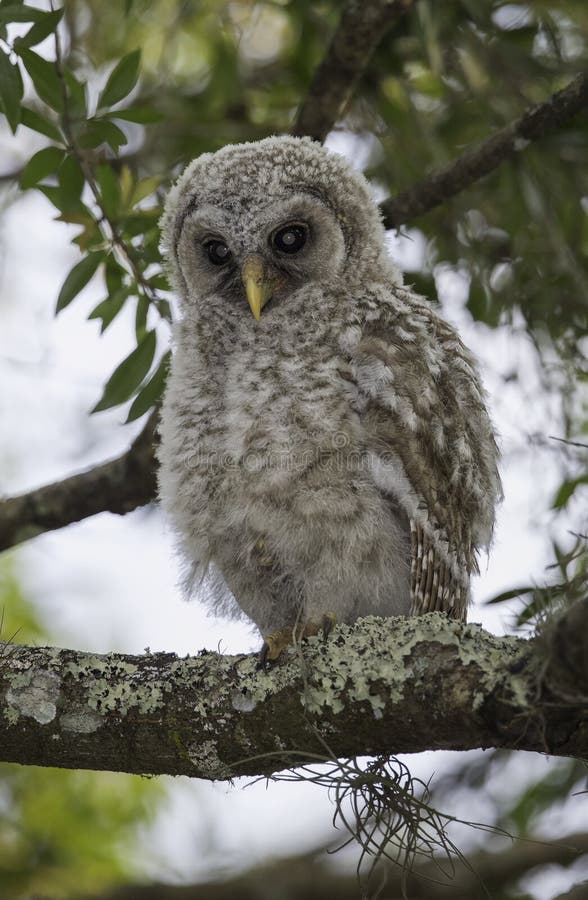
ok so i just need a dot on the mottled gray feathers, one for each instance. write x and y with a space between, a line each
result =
336 455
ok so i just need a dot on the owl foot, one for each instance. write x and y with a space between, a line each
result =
276 642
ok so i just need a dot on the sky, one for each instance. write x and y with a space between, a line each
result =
110 583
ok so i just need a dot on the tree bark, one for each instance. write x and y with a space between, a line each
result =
361 28
381 686
481 159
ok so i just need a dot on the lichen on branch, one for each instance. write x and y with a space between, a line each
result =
381 686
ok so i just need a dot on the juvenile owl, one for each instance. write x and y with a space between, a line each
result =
326 451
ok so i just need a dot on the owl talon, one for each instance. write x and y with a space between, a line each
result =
275 643
262 659
329 621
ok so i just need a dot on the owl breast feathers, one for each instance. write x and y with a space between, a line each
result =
326 448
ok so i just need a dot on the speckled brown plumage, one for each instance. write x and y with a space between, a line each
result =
336 455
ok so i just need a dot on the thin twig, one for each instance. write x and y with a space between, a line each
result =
478 161
552 437
361 28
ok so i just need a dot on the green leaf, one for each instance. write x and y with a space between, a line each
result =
71 182
32 119
101 131
129 374
141 220
141 316
160 282
567 489
113 275
152 392
44 77
39 166
142 115
11 91
109 189
78 278
76 91
53 194
20 13
145 188
109 309
509 595
540 601
164 309
121 80
42 28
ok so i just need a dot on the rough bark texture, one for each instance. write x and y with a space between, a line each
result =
485 157
381 686
361 28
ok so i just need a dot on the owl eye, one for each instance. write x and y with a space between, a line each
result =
218 252
290 238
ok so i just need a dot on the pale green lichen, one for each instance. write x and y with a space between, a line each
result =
242 701
376 662
358 670
35 694
11 715
205 758
81 720
115 685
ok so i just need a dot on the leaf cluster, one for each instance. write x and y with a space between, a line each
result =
82 174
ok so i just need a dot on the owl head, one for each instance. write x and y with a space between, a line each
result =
255 222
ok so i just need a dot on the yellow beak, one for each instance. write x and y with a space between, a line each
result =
259 284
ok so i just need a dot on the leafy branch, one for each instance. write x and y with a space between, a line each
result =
120 83
119 234
535 123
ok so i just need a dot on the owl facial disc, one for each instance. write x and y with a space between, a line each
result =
259 283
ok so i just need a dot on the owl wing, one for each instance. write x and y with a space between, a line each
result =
430 441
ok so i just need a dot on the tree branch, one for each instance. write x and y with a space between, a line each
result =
361 28
579 892
381 686
478 161
117 486
310 877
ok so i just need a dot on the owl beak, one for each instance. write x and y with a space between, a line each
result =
259 284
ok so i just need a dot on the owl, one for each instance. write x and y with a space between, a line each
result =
326 452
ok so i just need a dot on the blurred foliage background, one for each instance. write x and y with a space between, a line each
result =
65 833
102 129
